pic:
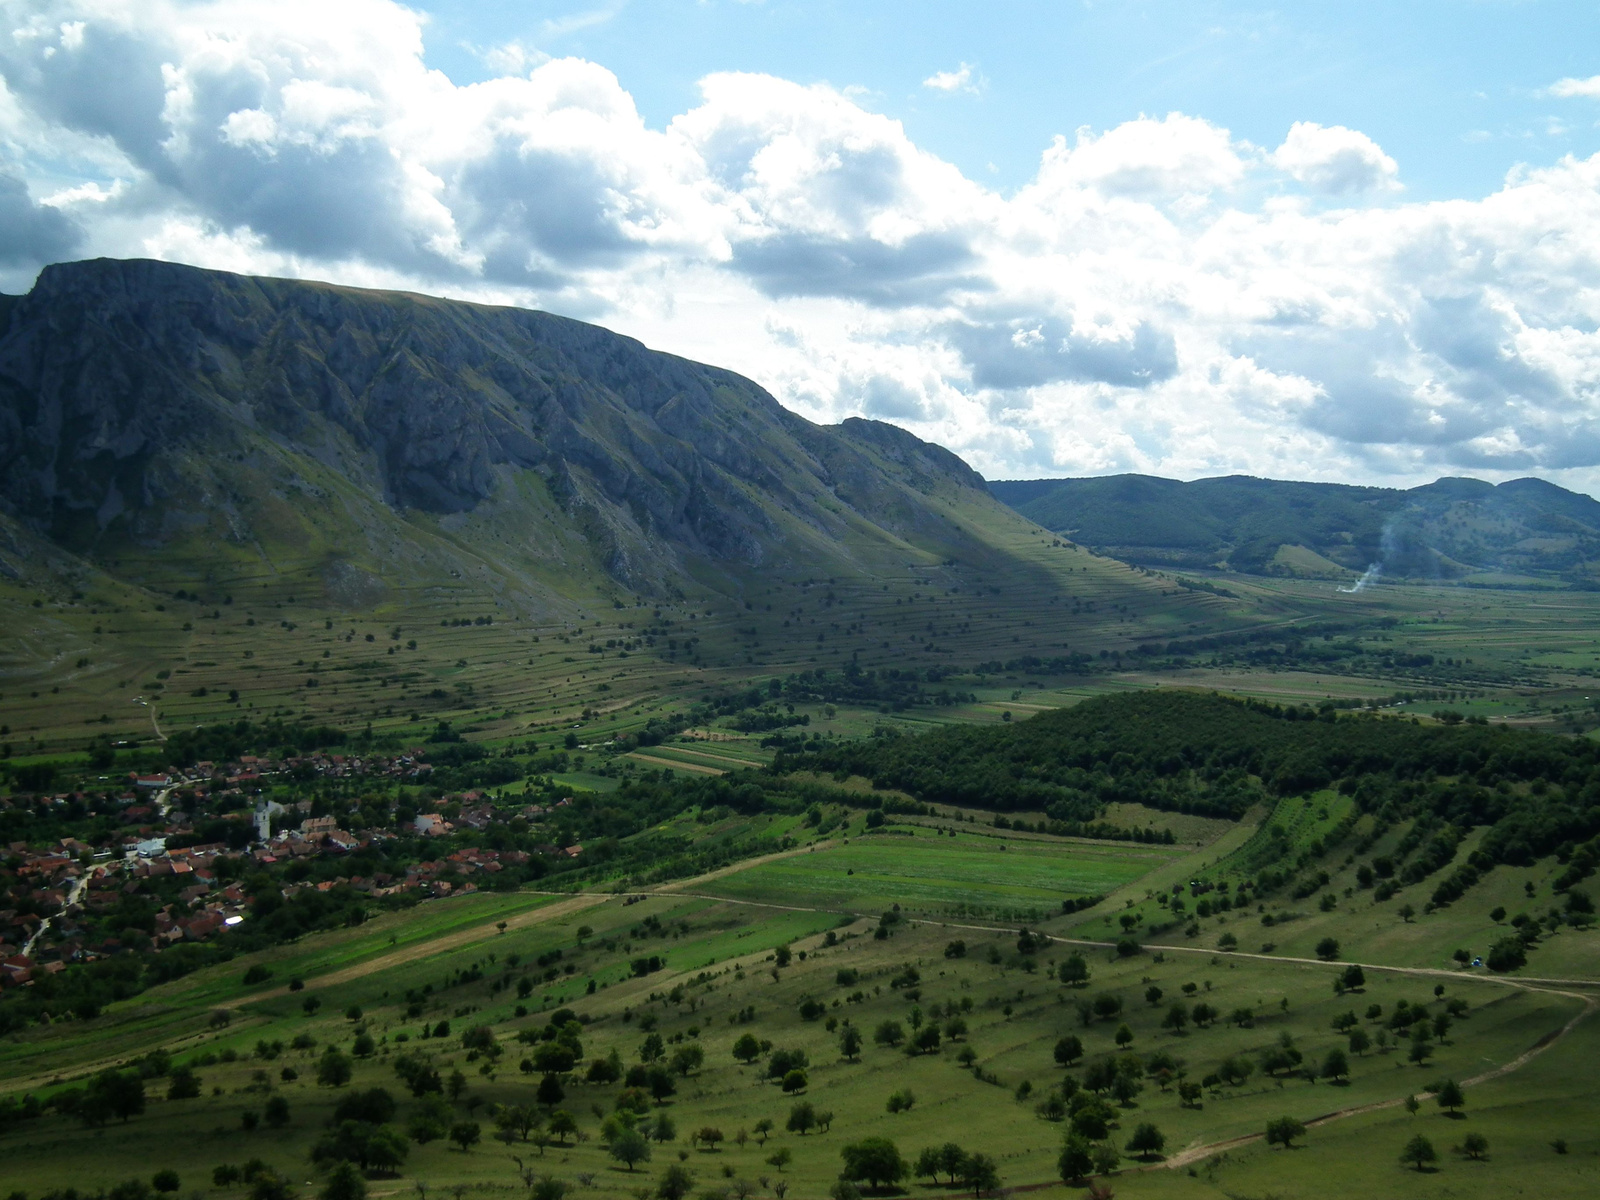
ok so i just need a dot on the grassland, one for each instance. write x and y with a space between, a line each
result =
451 961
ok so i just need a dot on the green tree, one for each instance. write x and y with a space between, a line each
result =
675 1183
276 1112
562 1125
747 1049
780 1158
1360 1043
802 1118
1450 1096
978 1172
662 1129
1075 971
686 1060
345 1183
850 1042
629 1147
1076 1160
1283 1130
166 1181
333 1069
1419 1150
1475 1145
465 1134
1328 949
1336 1065
1146 1140
889 1033
873 1159
183 1084
1069 1050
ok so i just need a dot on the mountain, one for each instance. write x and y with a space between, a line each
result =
1447 529
176 420
224 496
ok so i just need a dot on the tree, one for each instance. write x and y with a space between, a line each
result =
1177 1017
276 1112
795 1081
708 1136
269 1185
166 1181
675 1183
978 1172
802 1117
1234 1071
1419 1150
1407 911
1451 1097
183 1084
1336 1065
1105 1159
889 1033
431 1120
662 1129
549 1187
1076 1159
780 1158
1069 1050
465 1134
1354 977
850 1042
1360 1043
1328 949
874 1159
1146 1140
1189 1092
1152 995
562 1125
686 1060
747 1049
345 1183
1283 1131
652 1048
1075 971
112 1093
333 1069
763 1130
1475 1145
630 1147
1124 1036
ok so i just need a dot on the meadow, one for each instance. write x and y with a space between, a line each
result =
784 947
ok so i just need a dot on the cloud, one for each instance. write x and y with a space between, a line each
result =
1567 88
959 80
1145 158
1148 301
1335 160
32 234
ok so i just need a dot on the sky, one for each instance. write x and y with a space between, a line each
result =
1355 242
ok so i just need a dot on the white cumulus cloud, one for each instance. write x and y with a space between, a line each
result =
1335 160
959 80
1148 301
1566 88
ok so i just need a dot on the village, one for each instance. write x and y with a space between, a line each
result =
63 903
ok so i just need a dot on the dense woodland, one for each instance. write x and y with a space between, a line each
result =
1207 754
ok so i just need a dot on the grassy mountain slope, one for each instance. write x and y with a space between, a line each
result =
1446 529
224 494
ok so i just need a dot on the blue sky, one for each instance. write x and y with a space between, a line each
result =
1344 241
1454 89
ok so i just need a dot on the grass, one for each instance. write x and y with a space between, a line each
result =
721 960
974 874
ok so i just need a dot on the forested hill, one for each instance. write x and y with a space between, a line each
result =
1445 529
1189 752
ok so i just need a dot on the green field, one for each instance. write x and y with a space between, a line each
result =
974 874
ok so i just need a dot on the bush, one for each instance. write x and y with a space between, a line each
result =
166 1181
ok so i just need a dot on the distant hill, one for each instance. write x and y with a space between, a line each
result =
1446 529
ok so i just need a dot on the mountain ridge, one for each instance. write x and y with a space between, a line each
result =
1451 528
141 400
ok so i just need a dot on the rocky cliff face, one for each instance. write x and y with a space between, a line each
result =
147 401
